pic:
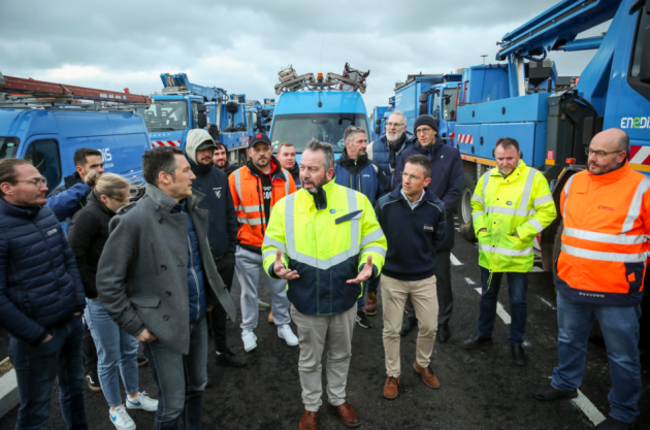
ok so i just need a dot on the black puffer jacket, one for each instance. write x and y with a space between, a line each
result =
87 236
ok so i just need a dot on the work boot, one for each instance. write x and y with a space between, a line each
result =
443 333
308 420
227 358
263 306
349 417
390 387
518 355
476 341
428 377
614 424
408 325
549 394
371 304
363 320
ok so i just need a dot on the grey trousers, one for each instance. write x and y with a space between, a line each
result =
247 269
315 334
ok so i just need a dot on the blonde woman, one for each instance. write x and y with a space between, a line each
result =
117 350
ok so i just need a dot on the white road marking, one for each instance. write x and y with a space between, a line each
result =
536 269
455 260
588 409
501 311
469 281
547 302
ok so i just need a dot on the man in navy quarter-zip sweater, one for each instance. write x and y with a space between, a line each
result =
354 170
413 220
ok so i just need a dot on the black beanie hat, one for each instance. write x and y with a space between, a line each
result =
426 120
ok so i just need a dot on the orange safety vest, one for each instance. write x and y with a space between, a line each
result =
246 190
604 241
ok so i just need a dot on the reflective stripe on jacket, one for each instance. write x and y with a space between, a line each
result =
326 247
604 242
246 189
520 203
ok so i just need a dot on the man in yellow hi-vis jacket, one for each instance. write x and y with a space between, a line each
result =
325 241
512 204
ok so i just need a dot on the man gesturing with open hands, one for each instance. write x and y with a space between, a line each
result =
324 240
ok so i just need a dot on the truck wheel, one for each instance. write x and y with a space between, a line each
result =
464 208
596 334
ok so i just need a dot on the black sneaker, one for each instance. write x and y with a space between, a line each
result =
93 382
549 394
614 424
142 362
227 358
363 320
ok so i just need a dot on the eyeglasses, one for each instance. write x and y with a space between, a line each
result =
601 154
36 181
423 130
393 124
120 199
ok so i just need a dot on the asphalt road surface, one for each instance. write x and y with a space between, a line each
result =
480 389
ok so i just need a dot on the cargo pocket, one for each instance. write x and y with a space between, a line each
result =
634 275
144 302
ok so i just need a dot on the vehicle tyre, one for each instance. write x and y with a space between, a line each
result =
596 334
464 208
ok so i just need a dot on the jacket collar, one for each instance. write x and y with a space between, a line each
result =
276 169
345 160
396 194
431 149
612 176
520 167
166 203
199 169
93 200
71 180
14 211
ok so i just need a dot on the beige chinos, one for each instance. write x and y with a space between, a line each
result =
316 333
423 295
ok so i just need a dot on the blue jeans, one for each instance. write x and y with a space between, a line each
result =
620 327
117 352
517 287
37 367
181 379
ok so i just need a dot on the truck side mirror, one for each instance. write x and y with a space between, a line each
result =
644 72
378 122
423 98
202 119
377 129
423 109
265 113
201 107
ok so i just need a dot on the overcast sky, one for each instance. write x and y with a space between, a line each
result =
241 45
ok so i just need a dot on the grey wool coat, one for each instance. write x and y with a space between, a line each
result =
142 273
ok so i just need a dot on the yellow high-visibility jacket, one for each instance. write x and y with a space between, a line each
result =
326 247
521 203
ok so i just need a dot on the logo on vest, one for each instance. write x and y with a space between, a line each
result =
509 203
51 232
428 228
605 208
217 192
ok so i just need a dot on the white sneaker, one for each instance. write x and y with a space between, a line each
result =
142 401
121 419
250 340
284 332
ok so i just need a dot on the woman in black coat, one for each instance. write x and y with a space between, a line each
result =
116 349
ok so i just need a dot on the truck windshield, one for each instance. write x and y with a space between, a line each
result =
163 115
8 147
299 129
449 104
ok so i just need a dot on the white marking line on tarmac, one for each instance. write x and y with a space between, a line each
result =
469 281
501 311
547 302
588 409
455 261
536 269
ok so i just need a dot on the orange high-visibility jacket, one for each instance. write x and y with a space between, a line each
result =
246 190
604 242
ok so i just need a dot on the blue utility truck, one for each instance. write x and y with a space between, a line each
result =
554 121
47 122
314 107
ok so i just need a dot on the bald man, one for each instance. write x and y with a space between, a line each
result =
600 272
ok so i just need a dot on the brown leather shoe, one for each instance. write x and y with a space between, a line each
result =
429 378
308 420
347 414
390 387
271 317
371 304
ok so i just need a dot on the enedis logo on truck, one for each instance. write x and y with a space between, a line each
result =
636 122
